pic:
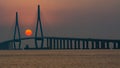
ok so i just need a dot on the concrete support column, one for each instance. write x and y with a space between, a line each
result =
57 44
75 46
92 44
114 45
70 44
102 45
64 44
60 44
118 44
78 44
54 45
97 44
67 44
108 46
48 43
87 46
83 44
51 43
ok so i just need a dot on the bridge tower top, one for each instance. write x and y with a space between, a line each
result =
17 27
17 32
39 24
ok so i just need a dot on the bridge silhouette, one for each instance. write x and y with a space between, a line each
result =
56 42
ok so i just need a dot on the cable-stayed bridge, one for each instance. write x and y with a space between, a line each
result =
56 42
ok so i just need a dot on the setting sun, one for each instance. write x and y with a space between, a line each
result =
28 32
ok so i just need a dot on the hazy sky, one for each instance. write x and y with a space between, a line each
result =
63 18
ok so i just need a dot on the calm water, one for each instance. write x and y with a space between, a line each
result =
60 59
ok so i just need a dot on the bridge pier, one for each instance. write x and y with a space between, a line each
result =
57 46
19 45
97 45
114 45
87 45
64 43
83 44
51 43
60 44
71 44
75 45
102 45
78 44
118 44
36 45
107 45
67 44
54 44
93 47
47 43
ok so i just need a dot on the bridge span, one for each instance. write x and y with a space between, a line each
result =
66 43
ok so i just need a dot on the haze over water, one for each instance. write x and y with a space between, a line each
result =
66 18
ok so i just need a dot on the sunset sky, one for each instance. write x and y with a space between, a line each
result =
63 18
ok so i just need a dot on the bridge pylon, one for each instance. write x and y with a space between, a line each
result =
17 30
39 24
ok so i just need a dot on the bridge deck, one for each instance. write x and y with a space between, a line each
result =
68 43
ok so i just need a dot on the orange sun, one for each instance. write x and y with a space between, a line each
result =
28 32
